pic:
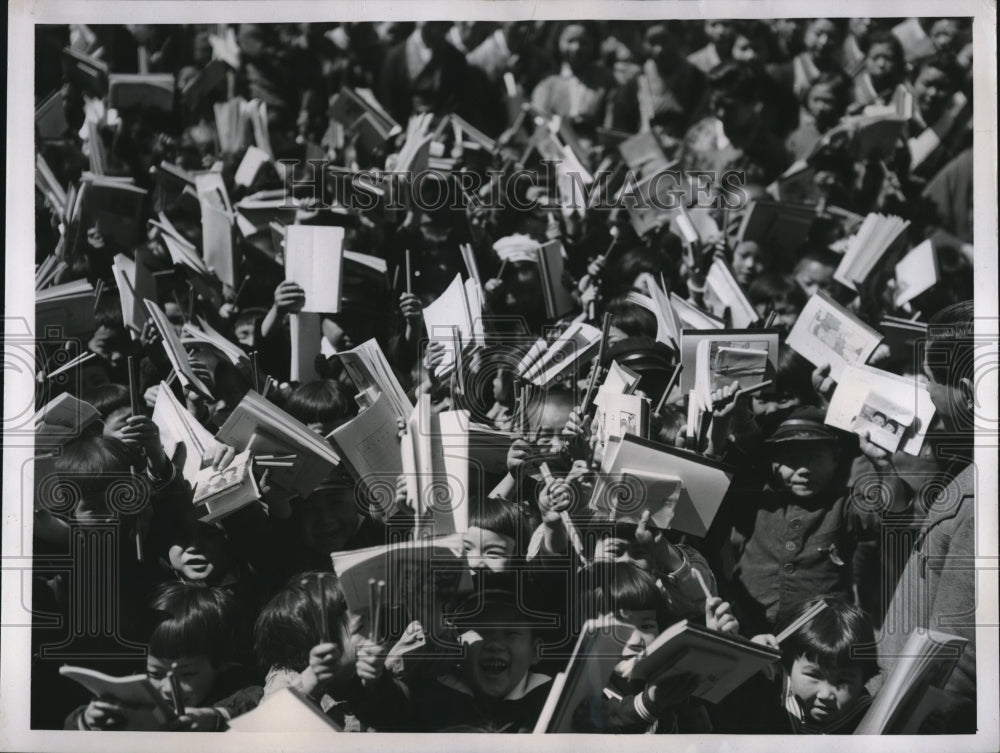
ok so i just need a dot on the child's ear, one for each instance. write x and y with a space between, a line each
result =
537 654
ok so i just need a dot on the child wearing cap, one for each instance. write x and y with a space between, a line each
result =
493 683
794 538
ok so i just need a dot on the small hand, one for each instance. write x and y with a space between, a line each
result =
673 690
822 382
719 616
880 458
371 661
289 297
324 661
219 458
410 306
766 639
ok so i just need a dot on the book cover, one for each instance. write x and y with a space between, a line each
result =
314 260
218 493
721 661
827 333
703 482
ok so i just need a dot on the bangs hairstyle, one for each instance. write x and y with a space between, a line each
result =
320 401
95 463
195 621
833 639
505 518
616 586
108 398
290 624
631 318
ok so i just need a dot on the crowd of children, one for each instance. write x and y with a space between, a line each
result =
228 612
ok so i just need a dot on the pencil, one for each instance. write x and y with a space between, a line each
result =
176 692
669 388
701 582
803 620
379 613
605 329
748 391
409 273
373 605
253 371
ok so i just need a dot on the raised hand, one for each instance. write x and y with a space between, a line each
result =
371 661
410 306
719 616
822 382
672 690
324 666
289 297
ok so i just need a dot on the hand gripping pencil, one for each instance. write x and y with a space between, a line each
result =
571 531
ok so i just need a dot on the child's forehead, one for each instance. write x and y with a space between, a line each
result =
183 662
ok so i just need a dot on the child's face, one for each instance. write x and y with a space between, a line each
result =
575 45
553 418
716 30
502 658
197 676
805 468
748 262
881 62
821 38
945 35
246 333
744 49
202 560
328 524
822 104
813 276
641 629
487 550
932 89
824 694
619 549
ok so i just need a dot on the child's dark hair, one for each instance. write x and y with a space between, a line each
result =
887 38
320 401
93 465
832 638
614 586
290 624
839 84
793 376
817 252
776 289
505 518
196 620
946 64
631 318
108 398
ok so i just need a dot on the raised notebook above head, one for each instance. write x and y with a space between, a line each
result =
827 333
629 464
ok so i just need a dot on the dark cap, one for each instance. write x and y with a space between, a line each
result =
805 425
500 599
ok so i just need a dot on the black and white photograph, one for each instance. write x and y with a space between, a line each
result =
330 309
